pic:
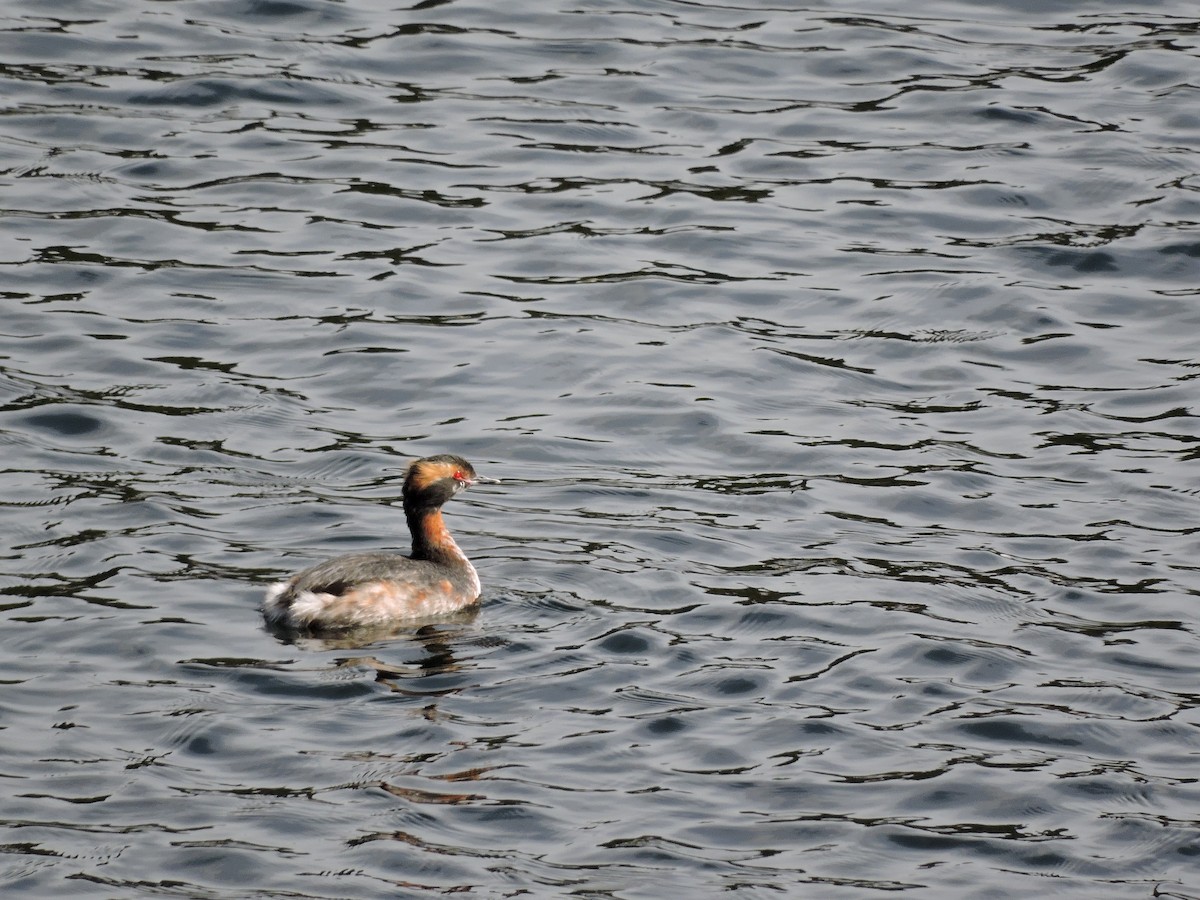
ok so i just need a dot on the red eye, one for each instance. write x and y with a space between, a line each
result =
459 476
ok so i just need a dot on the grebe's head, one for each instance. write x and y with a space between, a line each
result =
435 479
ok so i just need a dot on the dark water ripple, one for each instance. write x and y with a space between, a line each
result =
839 366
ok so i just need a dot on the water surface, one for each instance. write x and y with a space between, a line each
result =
839 366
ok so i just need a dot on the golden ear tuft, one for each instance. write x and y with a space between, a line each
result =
421 473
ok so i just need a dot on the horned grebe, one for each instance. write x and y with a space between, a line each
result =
377 588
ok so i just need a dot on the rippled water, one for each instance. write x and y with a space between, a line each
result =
839 363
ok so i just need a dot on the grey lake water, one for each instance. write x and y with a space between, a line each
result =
839 362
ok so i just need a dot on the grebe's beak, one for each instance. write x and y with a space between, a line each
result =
483 479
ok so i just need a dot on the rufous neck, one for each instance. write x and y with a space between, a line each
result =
430 537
